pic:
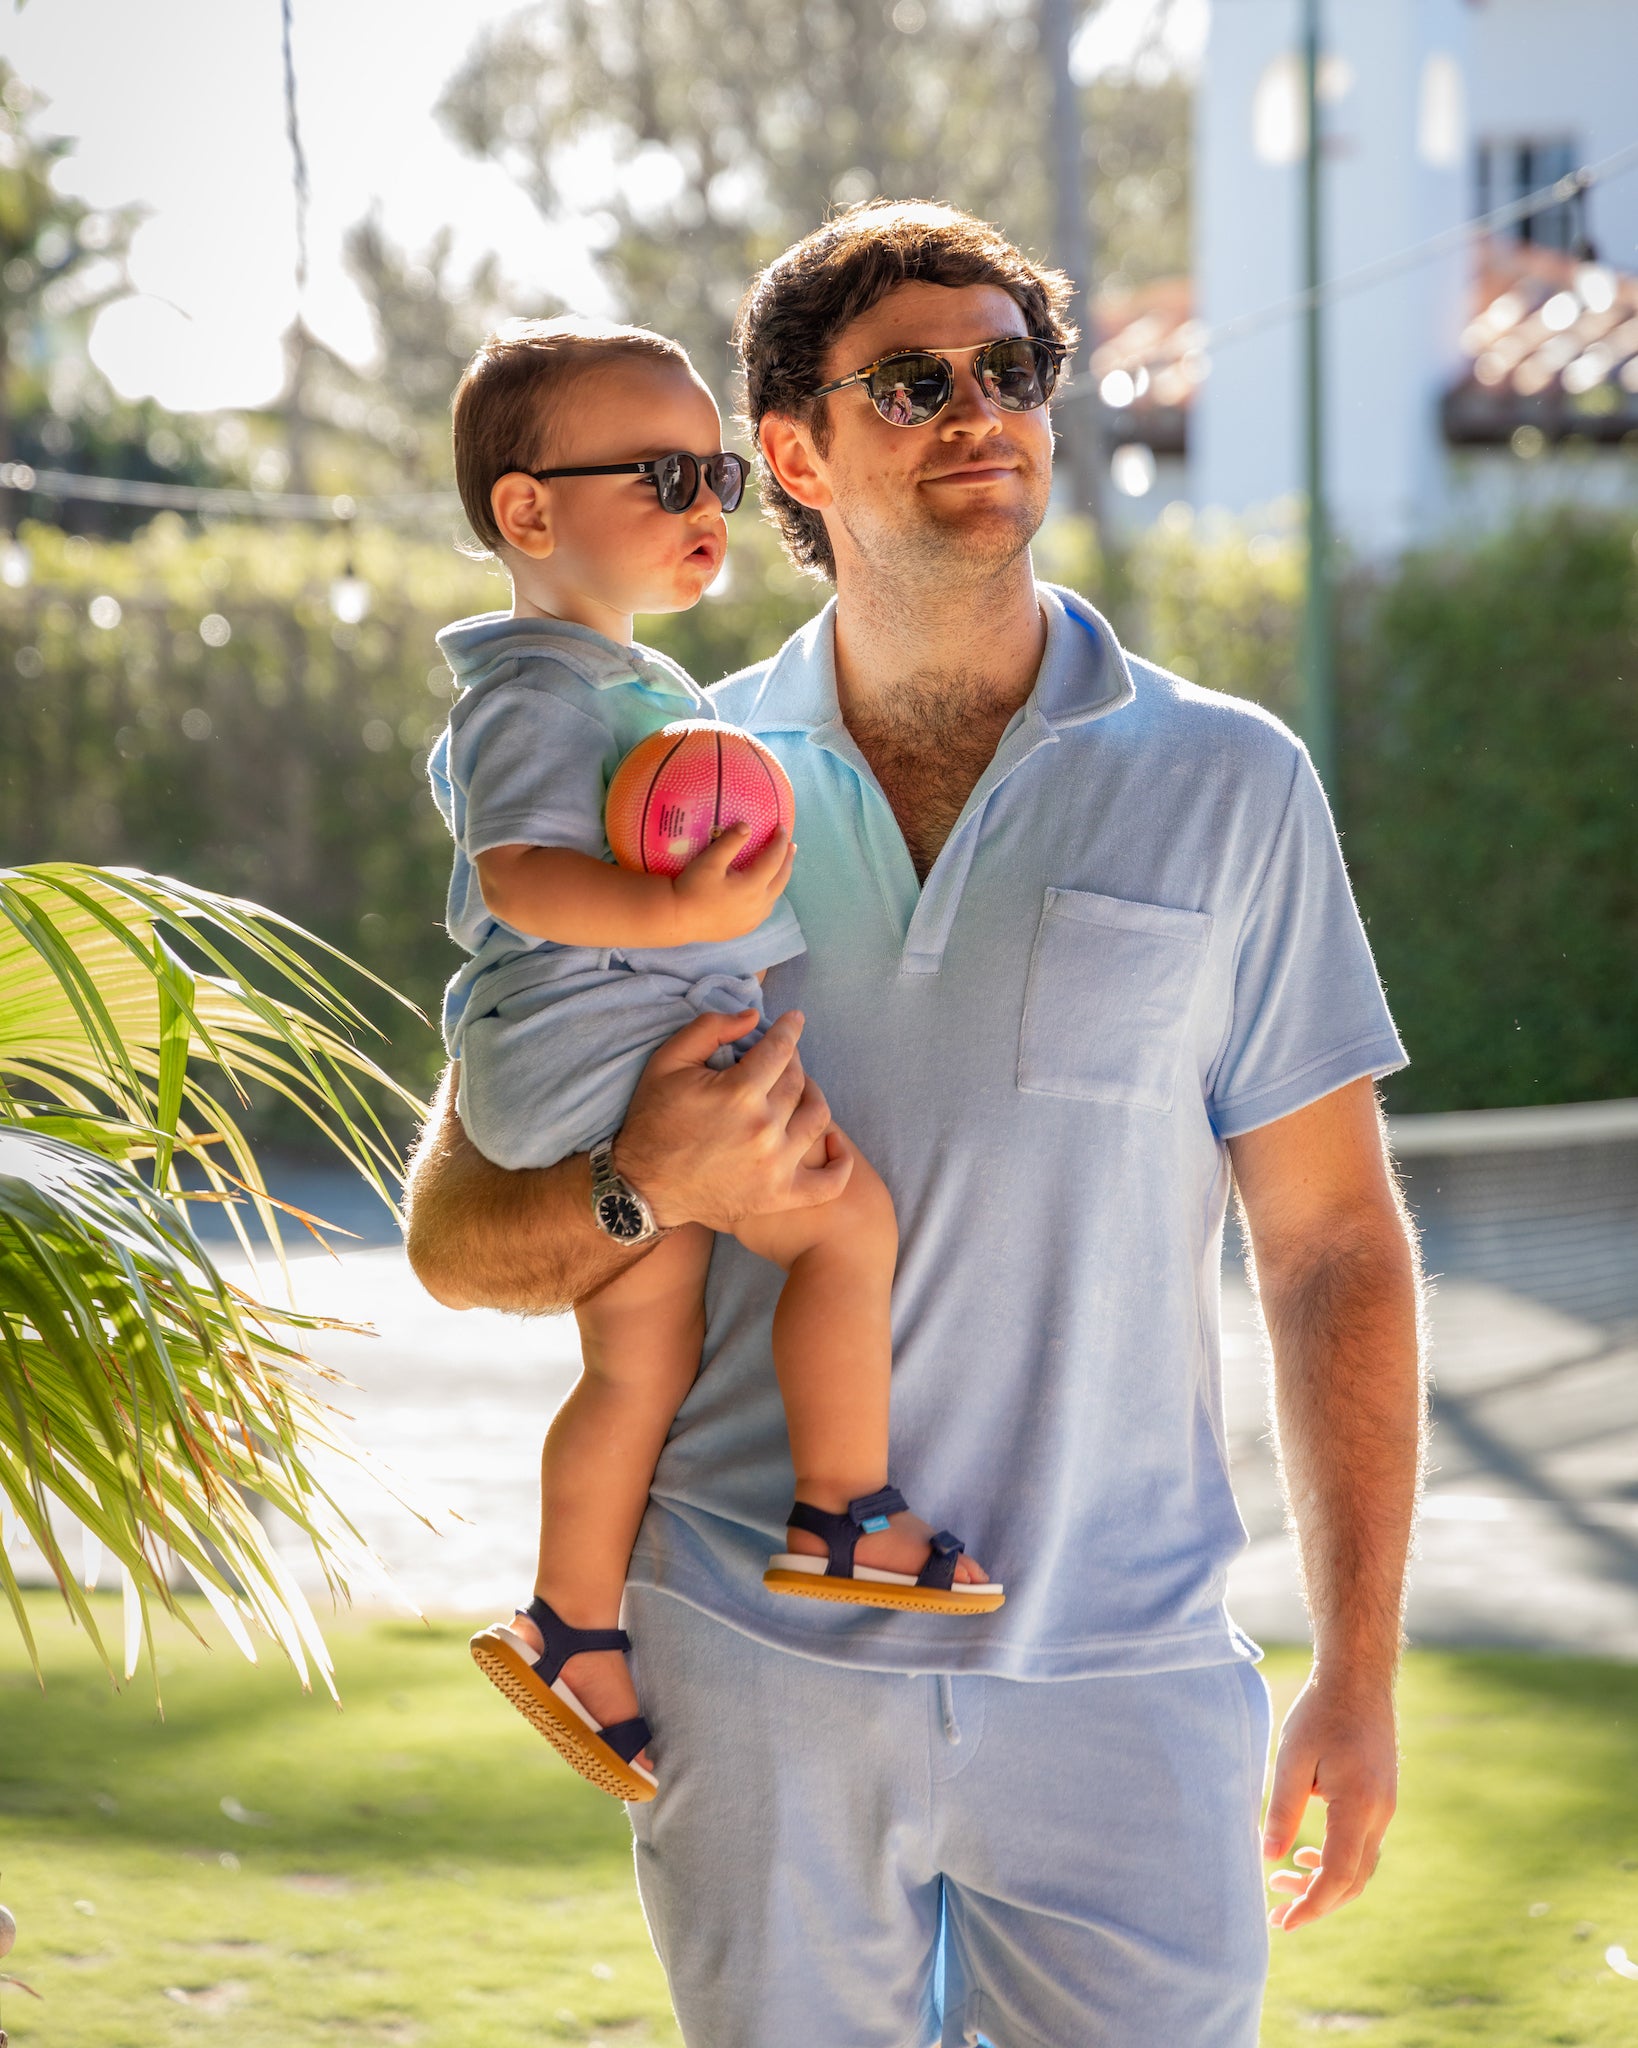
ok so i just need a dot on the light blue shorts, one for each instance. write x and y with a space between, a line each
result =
549 1071
852 1859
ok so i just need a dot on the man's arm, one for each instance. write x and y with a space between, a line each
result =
701 1145
1338 1278
478 1235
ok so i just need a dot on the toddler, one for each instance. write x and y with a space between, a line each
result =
590 461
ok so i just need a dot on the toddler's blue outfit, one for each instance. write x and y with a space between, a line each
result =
552 1039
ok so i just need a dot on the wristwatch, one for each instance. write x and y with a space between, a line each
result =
617 1208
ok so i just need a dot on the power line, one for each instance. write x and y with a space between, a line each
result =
428 507
1561 192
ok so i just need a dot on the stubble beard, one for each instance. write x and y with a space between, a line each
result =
910 551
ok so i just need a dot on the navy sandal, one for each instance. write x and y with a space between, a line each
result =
604 1755
933 1590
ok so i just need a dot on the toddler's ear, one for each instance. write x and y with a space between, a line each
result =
523 512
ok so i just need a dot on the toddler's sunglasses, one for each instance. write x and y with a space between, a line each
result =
676 478
914 386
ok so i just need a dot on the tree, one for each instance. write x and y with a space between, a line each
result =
383 426
428 318
729 127
61 263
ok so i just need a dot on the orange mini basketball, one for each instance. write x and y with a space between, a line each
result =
678 789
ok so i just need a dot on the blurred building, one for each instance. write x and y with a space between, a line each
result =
1469 383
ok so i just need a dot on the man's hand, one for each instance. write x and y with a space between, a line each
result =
708 1146
702 1146
714 902
1336 1270
1338 1744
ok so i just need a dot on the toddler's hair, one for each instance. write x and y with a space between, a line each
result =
511 392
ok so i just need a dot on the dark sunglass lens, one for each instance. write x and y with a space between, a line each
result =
677 479
1019 375
726 476
909 390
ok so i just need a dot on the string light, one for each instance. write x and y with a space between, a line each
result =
405 508
350 597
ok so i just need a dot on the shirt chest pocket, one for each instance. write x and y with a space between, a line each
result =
1111 988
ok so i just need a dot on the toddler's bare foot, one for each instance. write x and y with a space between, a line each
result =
902 1547
599 1679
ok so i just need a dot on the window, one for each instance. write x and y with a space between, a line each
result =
1509 170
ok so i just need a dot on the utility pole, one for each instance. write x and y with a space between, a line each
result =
1081 433
1318 640
298 358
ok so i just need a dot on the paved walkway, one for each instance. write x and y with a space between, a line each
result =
1529 1534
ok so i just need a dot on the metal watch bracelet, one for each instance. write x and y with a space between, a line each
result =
618 1210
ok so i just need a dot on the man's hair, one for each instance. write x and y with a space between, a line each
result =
511 395
802 301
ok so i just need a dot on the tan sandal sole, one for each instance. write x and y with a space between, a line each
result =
565 1731
865 1593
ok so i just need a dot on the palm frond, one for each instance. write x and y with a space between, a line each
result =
105 1014
150 1399
142 1394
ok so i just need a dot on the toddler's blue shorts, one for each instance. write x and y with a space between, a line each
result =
551 1069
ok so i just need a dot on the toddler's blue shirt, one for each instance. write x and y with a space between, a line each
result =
1137 942
546 714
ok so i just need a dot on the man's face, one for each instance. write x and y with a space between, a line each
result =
959 497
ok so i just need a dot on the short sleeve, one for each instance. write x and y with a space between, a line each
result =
534 769
1307 1009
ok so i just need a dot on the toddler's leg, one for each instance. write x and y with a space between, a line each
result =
833 1352
640 1341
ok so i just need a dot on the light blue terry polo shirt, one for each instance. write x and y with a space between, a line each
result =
1138 942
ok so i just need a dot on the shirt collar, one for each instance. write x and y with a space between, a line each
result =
1083 673
476 647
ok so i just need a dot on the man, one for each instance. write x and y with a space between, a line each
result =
1080 941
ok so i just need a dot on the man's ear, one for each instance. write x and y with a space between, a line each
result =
787 448
522 508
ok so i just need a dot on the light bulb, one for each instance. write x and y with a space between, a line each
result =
350 598
16 564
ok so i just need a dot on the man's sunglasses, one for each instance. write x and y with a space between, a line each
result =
914 386
676 478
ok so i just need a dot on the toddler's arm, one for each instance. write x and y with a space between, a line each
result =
552 892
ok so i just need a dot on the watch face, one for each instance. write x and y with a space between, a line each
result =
620 1216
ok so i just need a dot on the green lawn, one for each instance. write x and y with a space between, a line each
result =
425 1871
1512 1866
420 1868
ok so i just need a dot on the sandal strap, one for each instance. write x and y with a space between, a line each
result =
626 1738
940 1569
871 1510
841 1533
562 1642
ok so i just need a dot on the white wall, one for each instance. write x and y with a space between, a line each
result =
1546 67
1390 350
1243 424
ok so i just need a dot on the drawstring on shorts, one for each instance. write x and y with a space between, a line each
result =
947 1710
